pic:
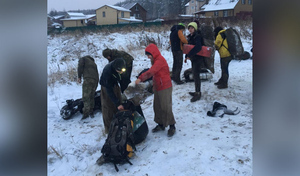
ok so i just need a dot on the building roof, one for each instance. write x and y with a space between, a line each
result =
129 5
79 17
187 4
215 5
58 16
131 19
116 7
73 14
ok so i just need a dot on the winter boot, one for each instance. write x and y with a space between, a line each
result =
179 82
158 128
196 97
171 130
84 116
217 83
222 86
92 114
192 93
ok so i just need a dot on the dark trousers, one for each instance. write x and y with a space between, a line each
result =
177 64
197 64
224 67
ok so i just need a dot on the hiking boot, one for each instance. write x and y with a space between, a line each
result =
158 128
217 83
171 130
92 115
196 97
179 82
222 86
84 116
192 93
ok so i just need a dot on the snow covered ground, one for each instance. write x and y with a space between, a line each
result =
202 145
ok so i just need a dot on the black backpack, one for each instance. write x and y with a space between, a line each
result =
235 46
119 145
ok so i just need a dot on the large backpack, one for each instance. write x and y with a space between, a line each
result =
235 46
119 145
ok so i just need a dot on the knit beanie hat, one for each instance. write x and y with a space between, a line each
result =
147 53
182 26
106 52
193 24
119 64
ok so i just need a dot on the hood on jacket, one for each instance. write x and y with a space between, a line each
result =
153 50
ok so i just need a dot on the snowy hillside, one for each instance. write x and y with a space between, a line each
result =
202 145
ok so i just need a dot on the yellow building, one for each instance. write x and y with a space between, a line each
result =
76 19
226 8
109 14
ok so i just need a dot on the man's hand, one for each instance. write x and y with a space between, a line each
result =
79 80
137 81
121 107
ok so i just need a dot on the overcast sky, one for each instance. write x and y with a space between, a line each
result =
61 5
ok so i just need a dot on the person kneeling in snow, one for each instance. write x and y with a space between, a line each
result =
162 86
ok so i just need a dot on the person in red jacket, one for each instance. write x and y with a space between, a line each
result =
162 87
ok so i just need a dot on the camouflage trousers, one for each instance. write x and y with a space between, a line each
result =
89 87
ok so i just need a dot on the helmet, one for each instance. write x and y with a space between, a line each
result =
119 64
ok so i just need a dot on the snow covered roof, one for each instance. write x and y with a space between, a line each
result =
73 14
131 19
187 4
129 5
116 7
58 16
79 18
215 5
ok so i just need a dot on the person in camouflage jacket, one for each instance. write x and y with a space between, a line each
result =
112 54
87 69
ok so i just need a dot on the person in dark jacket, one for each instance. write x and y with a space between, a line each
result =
162 87
87 69
111 100
177 40
112 54
195 38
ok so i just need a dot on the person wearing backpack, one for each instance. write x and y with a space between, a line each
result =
111 98
195 38
225 57
162 87
177 40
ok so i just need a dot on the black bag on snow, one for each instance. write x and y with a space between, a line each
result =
73 106
119 145
235 46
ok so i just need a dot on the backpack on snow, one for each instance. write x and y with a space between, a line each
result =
235 46
119 145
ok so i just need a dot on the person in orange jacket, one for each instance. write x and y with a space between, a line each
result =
177 39
162 87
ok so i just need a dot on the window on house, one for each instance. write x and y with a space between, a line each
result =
103 14
225 13
192 2
136 8
81 21
216 13
122 14
243 1
250 2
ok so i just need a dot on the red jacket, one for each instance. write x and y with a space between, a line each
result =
159 70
